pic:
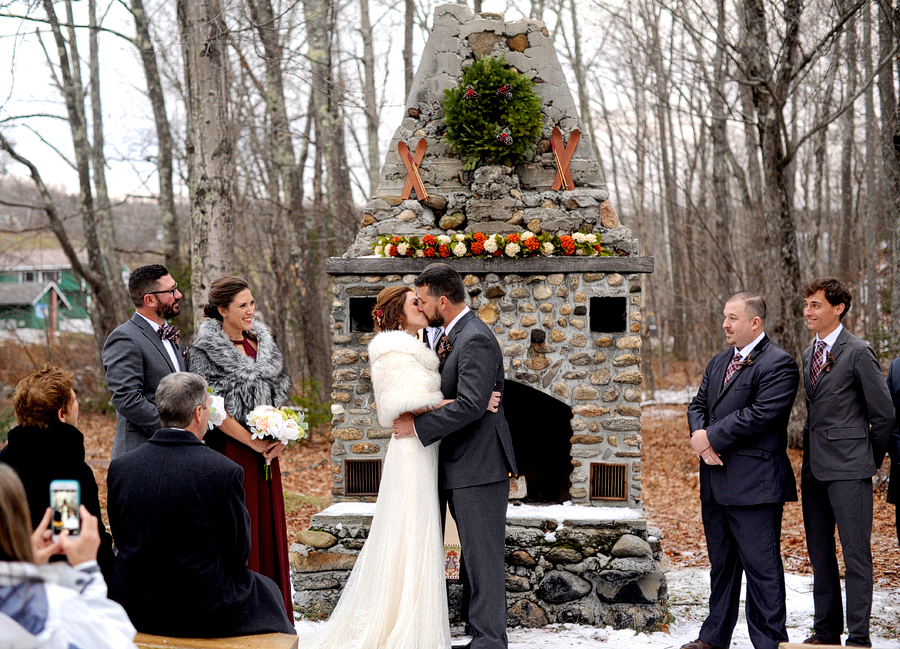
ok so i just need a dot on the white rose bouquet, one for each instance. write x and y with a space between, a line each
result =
279 424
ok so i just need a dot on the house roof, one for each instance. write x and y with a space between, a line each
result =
28 294
43 259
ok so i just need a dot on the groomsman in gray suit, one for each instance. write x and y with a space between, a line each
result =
848 428
139 353
476 455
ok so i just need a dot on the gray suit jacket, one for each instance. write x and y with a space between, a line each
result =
135 361
850 416
476 447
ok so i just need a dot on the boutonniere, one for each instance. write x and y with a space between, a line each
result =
829 361
745 362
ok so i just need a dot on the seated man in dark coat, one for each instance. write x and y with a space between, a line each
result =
177 513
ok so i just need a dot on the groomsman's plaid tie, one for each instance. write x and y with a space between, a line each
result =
732 367
818 362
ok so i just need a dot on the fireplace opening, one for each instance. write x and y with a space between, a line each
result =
361 314
363 477
541 435
608 314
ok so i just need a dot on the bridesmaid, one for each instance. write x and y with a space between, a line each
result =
238 357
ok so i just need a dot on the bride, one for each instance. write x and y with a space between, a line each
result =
396 596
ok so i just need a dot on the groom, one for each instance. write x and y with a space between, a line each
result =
476 455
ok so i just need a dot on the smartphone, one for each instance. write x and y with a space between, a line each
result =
65 499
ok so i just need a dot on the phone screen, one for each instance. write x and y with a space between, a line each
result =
64 500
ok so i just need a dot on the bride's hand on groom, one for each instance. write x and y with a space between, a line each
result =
494 403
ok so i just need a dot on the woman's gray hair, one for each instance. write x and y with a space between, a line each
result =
177 396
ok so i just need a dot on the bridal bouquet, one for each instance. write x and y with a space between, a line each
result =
280 424
217 414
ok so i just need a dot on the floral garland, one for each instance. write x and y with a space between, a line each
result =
521 245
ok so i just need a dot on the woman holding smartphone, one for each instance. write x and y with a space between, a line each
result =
53 605
47 446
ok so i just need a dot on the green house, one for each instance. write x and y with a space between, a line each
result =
35 282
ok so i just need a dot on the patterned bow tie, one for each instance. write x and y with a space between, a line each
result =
168 332
444 347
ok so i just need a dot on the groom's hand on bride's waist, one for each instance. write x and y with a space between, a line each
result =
403 426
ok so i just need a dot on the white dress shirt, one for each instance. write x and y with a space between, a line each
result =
830 339
745 352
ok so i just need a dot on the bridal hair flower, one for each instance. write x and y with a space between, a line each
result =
379 316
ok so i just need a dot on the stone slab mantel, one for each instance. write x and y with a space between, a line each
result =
501 266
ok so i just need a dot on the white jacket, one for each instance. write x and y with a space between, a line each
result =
405 375
56 606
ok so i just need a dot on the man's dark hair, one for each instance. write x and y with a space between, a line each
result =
143 280
443 280
753 303
835 292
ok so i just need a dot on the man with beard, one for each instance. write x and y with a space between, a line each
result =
139 353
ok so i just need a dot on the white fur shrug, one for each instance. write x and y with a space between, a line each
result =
405 375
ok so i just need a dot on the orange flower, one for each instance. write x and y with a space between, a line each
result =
568 244
428 252
392 251
429 240
477 247
444 250
513 238
532 244
479 237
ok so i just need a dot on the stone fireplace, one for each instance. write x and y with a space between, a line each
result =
578 547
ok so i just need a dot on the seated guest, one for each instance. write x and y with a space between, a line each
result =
176 509
52 605
47 446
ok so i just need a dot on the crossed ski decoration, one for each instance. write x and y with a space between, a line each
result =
562 154
413 179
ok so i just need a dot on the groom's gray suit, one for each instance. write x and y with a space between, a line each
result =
136 361
476 458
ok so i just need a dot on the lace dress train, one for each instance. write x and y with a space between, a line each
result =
396 596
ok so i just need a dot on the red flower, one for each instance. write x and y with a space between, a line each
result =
444 250
479 237
477 247
568 244
598 248
513 238
429 240
497 253
428 252
396 240
392 251
410 253
532 244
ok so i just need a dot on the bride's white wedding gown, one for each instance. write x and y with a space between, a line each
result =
396 596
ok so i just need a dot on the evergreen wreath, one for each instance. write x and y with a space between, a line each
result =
493 115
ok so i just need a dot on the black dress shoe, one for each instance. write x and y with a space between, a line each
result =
814 639
699 644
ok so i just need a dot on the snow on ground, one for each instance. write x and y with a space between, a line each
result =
670 397
688 593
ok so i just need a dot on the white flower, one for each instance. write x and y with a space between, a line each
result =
547 248
402 248
217 412
459 249
578 236
379 251
579 252
420 253
527 235
460 237
512 249
443 238
591 239
490 244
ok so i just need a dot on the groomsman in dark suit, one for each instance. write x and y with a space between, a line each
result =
139 353
850 419
738 423
893 495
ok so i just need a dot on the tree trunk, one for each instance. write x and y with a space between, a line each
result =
718 134
174 260
844 271
107 312
871 259
369 96
208 145
408 23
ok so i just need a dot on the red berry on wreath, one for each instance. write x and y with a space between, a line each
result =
505 137
505 91
470 93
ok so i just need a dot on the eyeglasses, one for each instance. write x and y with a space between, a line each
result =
168 290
